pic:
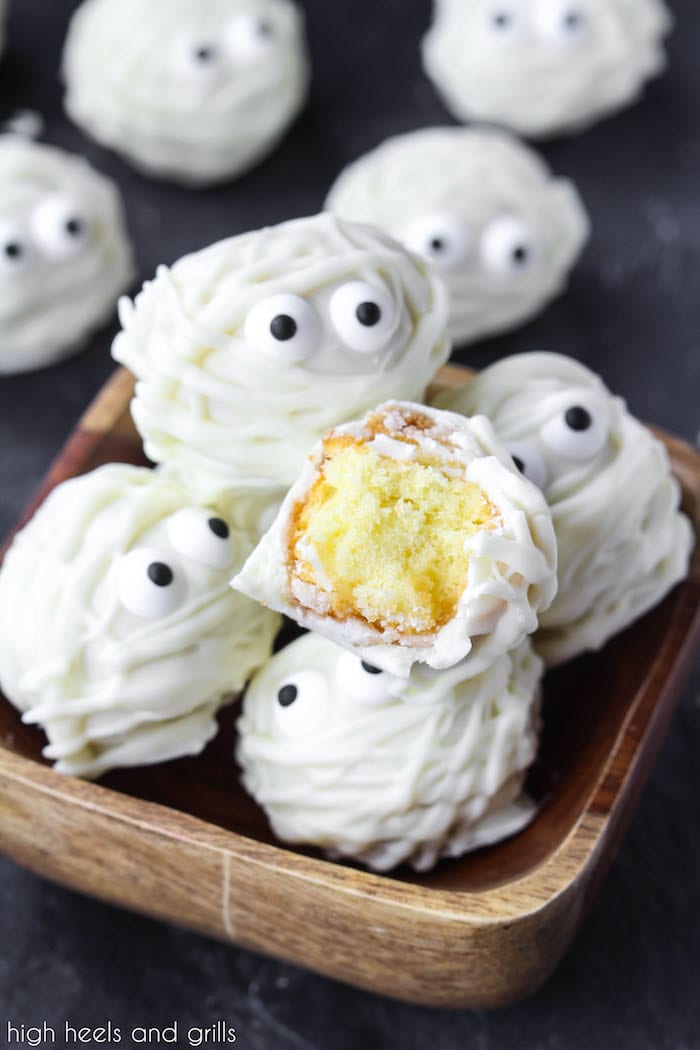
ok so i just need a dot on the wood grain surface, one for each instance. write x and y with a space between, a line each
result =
183 842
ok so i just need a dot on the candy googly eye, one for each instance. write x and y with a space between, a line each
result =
251 37
301 702
149 585
284 327
579 430
15 249
507 246
203 536
364 316
60 227
566 21
199 61
503 20
439 237
361 680
529 462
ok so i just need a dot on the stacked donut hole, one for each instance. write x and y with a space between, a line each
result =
440 553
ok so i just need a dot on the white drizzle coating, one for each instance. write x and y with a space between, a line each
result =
353 768
615 506
232 407
544 67
64 253
483 208
194 90
120 671
511 576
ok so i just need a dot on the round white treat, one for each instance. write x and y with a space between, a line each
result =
338 759
511 575
246 352
483 208
194 90
543 67
622 542
118 632
64 253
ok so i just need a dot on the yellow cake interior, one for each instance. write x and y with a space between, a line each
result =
384 538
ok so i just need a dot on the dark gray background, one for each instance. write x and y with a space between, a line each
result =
632 979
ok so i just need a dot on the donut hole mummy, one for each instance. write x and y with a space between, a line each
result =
382 531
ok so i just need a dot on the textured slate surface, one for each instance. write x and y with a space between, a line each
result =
631 979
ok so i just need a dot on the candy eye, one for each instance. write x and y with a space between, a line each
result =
507 246
201 61
579 430
60 227
284 327
148 584
251 37
563 20
364 316
360 680
202 536
15 250
301 702
529 462
503 20
440 237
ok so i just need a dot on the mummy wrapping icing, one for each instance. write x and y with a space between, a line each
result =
338 759
64 253
544 67
247 352
197 91
119 634
483 208
622 542
410 537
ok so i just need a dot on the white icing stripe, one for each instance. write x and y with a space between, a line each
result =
194 90
114 685
433 767
230 416
622 542
519 64
57 282
468 199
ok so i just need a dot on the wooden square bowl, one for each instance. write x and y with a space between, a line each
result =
183 842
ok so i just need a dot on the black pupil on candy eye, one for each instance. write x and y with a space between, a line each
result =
74 227
437 244
520 254
13 250
219 527
370 668
501 20
283 327
264 29
204 54
287 695
160 574
573 20
578 418
368 314
519 464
